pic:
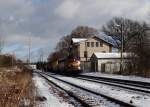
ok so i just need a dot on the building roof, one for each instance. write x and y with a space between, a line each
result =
110 55
108 39
100 35
78 40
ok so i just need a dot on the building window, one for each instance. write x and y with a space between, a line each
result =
101 44
97 44
85 54
92 44
88 44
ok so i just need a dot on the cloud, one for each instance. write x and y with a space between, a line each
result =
46 21
97 12
21 45
68 8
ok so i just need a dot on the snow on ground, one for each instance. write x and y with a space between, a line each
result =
43 90
97 100
138 100
134 78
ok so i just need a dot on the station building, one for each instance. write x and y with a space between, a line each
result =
84 48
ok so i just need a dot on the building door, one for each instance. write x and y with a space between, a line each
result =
102 67
95 67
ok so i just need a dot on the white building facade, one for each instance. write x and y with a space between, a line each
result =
107 62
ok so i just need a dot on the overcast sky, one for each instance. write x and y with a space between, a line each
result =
46 21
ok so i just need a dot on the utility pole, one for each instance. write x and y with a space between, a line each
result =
122 44
29 50
122 47
41 58
41 55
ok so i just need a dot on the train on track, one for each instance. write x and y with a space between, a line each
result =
69 65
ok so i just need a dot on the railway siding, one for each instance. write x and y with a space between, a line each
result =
133 98
131 86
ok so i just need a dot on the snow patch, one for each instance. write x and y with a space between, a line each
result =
43 90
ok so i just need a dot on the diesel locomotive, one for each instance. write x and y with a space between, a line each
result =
69 65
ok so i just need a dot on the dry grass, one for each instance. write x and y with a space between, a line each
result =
15 87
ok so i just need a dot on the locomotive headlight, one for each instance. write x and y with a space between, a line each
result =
79 68
79 62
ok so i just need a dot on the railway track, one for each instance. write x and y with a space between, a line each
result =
84 102
81 103
127 84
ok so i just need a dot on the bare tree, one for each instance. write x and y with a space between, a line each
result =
54 56
119 26
79 32
136 40
83 32
141 48
6 60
